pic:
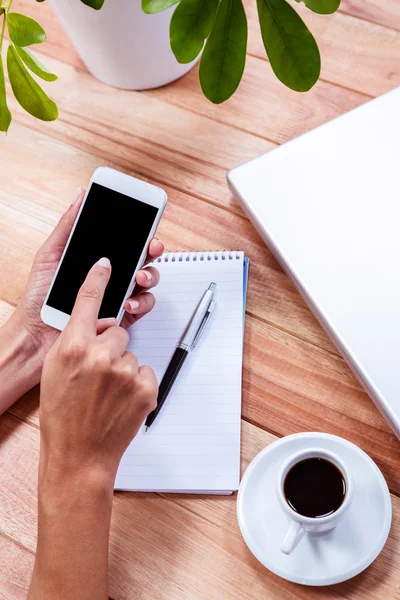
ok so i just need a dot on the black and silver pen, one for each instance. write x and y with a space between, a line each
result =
189 339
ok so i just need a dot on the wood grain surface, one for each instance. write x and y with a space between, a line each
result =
168 546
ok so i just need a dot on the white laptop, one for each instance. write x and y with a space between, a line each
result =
328 205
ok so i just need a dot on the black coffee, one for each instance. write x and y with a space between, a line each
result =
314 487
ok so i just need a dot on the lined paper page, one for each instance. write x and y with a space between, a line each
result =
194 444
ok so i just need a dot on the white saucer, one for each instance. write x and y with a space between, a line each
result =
319 559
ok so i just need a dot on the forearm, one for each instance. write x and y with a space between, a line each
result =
19 365
73 535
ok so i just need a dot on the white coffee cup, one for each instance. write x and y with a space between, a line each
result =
300 524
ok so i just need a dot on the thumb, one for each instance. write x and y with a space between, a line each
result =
55 243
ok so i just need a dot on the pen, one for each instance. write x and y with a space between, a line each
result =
192 333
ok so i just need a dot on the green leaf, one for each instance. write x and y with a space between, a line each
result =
191 24
5 115
155 6
28 93
224 56
290 45
322 7
24 31
96 4
35 65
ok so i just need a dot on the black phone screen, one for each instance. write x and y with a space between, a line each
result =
113 225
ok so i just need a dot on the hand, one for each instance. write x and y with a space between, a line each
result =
88 422
26 317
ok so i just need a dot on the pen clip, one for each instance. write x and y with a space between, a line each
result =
204 322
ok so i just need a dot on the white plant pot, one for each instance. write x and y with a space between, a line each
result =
120 44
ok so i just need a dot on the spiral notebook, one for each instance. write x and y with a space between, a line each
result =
194 444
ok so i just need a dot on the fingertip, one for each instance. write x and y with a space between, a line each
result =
104 262
60 234
131 306
78 196
143 277
140 279
141 304
156 248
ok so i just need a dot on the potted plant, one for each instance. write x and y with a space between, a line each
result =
137 47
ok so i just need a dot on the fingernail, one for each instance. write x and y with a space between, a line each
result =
104 262
77 196
148 274
133 304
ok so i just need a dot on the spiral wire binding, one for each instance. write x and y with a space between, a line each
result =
201 256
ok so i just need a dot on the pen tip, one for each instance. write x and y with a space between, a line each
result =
146 428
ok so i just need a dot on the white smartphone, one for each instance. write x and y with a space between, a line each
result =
118 217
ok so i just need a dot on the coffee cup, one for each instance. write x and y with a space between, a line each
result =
314 491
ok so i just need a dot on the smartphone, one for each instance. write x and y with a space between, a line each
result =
118 218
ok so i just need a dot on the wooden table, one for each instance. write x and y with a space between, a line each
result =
169 546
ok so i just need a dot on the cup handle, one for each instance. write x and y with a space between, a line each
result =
294 534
